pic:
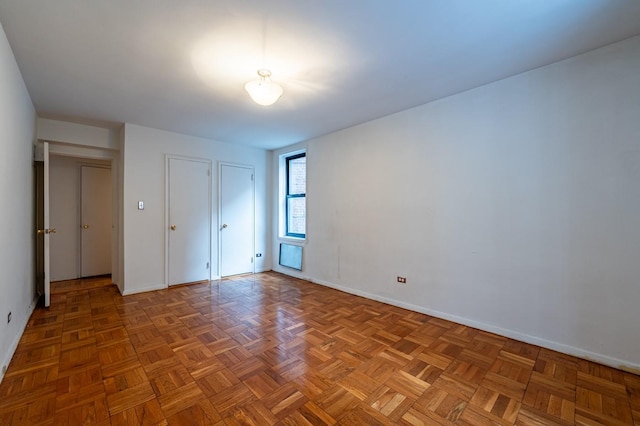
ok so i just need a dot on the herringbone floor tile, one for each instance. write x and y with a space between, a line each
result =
267 349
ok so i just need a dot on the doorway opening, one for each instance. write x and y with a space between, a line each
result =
80 203
58 173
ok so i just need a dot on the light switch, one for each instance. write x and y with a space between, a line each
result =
140 205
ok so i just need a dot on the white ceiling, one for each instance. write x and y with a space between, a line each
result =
182 65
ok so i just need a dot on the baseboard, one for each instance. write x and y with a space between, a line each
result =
621 364
144 290
163 287
16 341
292 273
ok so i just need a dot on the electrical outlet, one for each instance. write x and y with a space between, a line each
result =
9 318
402 280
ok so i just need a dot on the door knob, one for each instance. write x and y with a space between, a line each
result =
224 226
52 230
46 231
40 231
173 227
85 226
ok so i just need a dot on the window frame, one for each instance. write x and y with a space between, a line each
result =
288 196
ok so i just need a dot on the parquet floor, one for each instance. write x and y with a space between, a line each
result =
268 349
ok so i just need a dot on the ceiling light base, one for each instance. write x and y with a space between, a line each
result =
263 91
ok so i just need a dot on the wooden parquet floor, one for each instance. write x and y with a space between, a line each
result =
267 349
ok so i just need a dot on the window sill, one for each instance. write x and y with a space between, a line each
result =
292 239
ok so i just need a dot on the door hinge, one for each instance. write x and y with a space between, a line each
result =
207 265
252 177
252 260
208 172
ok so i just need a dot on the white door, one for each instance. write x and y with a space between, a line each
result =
237 213
46 232
189 220
95 219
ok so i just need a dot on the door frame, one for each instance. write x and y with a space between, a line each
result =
253 222
168 158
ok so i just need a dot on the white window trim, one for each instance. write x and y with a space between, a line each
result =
282 196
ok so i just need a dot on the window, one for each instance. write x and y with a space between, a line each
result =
296 195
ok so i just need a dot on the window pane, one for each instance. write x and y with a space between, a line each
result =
296 212
298 176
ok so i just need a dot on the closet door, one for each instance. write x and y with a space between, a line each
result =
189 220
237 219
96 221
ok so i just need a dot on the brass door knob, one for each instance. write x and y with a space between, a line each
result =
40 231
52 230
173 227
85 226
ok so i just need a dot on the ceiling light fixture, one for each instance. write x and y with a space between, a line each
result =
263 91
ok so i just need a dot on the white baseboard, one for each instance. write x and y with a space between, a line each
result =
144 290
292 273
14 345
163 287
512 334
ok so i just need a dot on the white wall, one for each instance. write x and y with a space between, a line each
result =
64 205
513 207
144 179
78 134
17 133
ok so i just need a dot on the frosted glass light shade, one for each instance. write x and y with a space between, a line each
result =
263 91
